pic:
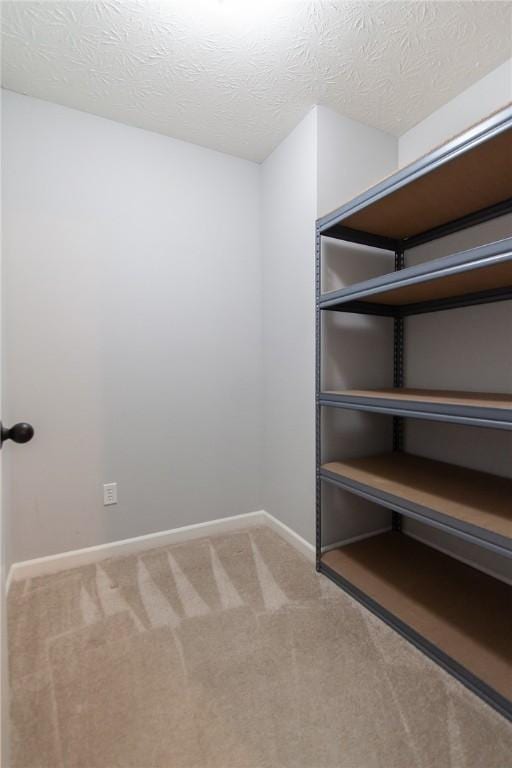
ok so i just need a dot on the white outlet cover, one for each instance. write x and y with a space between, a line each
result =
109 494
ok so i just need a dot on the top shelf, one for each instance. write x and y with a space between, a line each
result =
463 182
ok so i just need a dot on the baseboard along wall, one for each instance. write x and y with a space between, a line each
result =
43 566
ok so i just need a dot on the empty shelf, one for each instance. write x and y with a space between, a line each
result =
475 504
459 611
477 408
471 173
469 277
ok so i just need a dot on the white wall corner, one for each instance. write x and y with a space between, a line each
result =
288 213
351 157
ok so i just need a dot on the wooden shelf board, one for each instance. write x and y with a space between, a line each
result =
475 501
470 182
460 610
435 396
447 286
476 275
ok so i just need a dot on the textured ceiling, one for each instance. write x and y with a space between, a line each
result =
238 76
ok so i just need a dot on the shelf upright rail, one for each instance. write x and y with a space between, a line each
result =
398 379
318 385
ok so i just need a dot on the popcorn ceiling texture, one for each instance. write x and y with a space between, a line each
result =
238 76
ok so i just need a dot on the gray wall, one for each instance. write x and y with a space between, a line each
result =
358 349
321 164
132 331
4 709
288 208
351 157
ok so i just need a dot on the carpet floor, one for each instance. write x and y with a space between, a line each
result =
227 652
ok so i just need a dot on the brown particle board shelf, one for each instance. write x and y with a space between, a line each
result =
486 278
471 173
474 505
473 408
476 276
459 615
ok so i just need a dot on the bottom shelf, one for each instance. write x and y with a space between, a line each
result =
460 611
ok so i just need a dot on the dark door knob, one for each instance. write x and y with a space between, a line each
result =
19 433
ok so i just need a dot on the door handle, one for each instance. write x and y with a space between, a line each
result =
19 433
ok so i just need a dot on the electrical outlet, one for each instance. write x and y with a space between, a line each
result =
109 494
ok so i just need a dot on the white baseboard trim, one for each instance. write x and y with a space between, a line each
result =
8 582
290 536
42 566
63 561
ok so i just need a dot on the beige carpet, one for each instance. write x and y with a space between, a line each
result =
227 652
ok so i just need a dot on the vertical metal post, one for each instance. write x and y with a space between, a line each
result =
318 414
398 379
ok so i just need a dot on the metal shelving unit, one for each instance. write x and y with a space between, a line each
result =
463 183
478 409
478 276
473 505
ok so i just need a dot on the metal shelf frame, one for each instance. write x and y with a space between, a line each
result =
472 416
354 299
331 225
448 663
487 539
